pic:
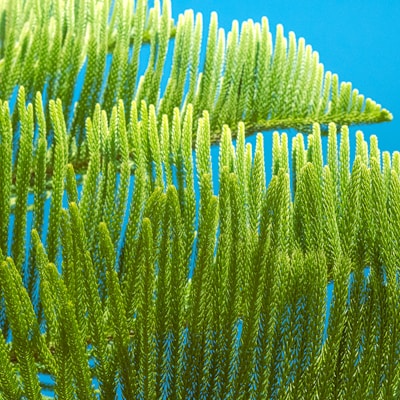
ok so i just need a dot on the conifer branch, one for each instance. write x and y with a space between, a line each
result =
155 291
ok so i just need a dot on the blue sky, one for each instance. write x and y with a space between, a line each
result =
357 39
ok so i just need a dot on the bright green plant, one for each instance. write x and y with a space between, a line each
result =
195 296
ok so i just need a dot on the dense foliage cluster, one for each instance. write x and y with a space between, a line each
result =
127 52
125 273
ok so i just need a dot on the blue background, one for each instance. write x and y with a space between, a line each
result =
357 39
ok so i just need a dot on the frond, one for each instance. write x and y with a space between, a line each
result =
23 326
9 383
125 271
23 173
6 152
266 91
156 323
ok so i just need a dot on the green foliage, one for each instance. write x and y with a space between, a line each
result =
158 325
23 173
157 293
246 76
5 173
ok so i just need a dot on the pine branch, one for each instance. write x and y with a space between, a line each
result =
191 327
217 296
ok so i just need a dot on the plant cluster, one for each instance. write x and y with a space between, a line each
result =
122 272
